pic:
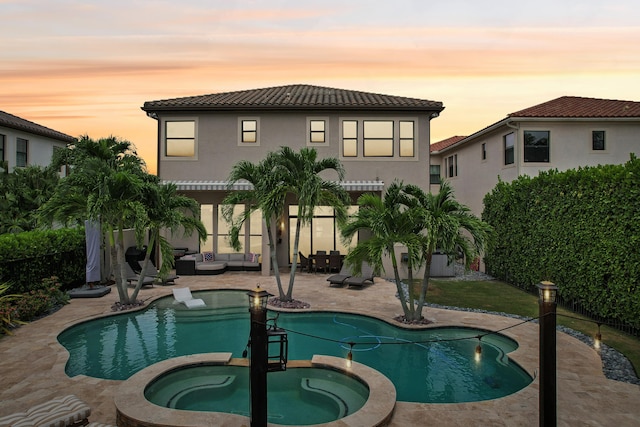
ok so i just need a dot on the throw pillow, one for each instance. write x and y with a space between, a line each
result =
208 256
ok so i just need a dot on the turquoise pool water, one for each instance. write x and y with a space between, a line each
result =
320 395
434 366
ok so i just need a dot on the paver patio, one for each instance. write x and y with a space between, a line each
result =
32 361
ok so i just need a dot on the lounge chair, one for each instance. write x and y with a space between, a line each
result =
132 277
338 279
152 271
183 295
61 411
366 275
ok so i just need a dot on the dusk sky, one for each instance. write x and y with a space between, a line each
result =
86 67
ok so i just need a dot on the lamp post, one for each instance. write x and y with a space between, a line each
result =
547 293
258 363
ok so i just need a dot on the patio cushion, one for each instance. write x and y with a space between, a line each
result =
58 412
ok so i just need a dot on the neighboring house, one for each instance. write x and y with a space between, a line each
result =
562 134
24 143
378 138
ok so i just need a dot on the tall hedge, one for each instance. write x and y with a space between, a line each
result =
579 229
26 258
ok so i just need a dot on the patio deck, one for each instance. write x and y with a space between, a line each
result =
32 361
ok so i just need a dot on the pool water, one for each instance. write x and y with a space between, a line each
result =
435 365
320 395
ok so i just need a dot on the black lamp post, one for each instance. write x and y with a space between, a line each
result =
258 362
547 293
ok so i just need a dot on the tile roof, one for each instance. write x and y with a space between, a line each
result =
437 146
294 97
15 122
578 107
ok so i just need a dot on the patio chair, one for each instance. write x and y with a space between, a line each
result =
183 295
338 279
321 261
335 261
366 275
305 263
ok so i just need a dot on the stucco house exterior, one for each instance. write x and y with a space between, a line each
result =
378 138
564 133
24 143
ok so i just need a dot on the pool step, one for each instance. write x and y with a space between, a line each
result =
337 393
208 382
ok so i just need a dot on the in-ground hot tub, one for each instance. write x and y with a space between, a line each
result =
213 388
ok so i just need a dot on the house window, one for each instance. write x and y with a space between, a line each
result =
250 235
317 131
406 139
180 138
22 146
349 138
484 151
378 138
509 148
536 146
597 140
451 165
434 174
249 132
2 140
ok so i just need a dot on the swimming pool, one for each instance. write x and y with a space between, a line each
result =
434 366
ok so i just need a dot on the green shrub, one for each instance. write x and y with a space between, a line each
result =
26 258
578 229
8 311
41 300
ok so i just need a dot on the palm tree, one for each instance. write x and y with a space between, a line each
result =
301 172
109 184
447 226
166 210
267 196
389 223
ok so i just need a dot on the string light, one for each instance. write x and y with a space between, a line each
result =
598 340
350 354
478 349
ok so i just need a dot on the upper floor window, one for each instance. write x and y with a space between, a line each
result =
509 148
451 165
249 131
22 146
597 140
2 141
180 138
378 138
349 138
407 139
317 131
484 151
434 174
536 146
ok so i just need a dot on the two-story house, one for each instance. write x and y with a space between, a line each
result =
24 143
378 138
564 133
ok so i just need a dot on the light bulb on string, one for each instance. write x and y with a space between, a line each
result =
350 354
478 352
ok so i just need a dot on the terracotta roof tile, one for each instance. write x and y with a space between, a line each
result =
578 107
293 96
437 146
15 122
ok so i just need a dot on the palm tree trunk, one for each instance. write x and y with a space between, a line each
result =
401 294
425 283
294 265
274 260
113 258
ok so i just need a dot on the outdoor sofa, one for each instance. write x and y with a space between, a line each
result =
210 263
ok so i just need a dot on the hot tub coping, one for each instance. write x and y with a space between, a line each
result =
133 409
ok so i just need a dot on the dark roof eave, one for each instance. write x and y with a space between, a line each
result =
291 108
59 136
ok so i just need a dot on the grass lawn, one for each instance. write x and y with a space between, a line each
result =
501 297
